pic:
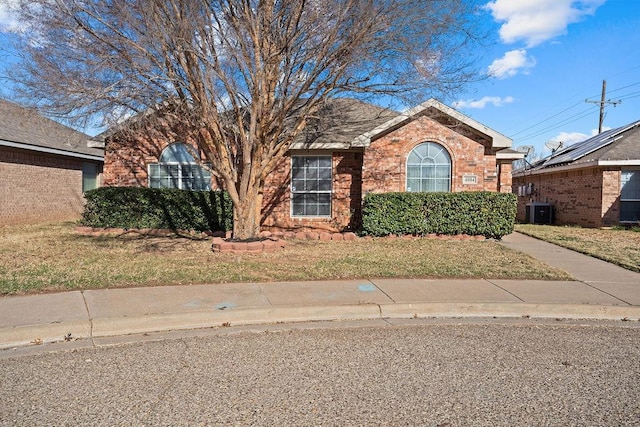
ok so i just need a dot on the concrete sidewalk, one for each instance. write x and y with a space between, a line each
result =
602 291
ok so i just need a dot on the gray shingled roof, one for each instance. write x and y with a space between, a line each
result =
339 122
625 148
24 128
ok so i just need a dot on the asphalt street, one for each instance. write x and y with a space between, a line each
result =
431 373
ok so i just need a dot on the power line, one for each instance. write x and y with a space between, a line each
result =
545 120
557 125
602 103
624 87
629 95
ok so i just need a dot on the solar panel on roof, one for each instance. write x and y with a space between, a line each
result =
588 146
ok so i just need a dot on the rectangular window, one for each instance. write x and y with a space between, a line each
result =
182 176
89 176
630 196
311 186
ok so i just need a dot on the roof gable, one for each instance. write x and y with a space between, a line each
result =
443 114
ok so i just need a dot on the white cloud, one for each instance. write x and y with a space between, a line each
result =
496 101
511 63
570 138
536 21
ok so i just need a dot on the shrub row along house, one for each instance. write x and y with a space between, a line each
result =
593 183
350 149
45 168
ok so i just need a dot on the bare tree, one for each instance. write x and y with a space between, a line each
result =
243 75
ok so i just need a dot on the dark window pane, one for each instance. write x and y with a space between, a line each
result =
630 211
324 162
630 185
324 185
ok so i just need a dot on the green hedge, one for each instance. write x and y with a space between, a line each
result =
474 213
136 207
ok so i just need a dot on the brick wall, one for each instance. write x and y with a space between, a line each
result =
384 168
381 168
128 154
504 176
37 187
585 197
345 205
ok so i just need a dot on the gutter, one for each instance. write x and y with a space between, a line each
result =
49 150
585 165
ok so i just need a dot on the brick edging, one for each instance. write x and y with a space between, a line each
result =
268 235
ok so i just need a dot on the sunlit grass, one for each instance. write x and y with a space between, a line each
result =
55 258
619 246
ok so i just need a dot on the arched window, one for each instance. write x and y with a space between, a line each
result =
429 168
177 168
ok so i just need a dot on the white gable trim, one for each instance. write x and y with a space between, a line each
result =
497 139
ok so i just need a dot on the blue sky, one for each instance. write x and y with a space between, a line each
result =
549 56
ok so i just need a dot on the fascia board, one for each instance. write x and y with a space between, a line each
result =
48 150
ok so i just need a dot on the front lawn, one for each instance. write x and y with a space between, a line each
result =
621 247
55 258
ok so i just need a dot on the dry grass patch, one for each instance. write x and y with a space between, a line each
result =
621 247
54 258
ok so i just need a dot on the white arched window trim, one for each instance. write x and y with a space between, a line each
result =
428 168
177 168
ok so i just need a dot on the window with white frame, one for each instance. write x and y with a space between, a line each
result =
177 168
429 168
311 186
630 196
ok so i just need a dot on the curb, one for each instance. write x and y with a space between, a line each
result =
542 311
21 336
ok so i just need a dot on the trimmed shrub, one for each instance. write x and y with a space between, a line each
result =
474 213
138 207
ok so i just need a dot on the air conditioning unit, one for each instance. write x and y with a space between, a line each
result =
539 213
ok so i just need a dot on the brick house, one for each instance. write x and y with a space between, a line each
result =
349 150
44 168
594 183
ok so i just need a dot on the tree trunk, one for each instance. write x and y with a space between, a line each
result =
247 215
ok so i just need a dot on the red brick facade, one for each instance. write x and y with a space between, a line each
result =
377 167
346 197
384 168
587 197
38 187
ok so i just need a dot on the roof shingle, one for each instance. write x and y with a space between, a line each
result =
24 126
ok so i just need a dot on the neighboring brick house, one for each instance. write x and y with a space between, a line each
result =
351 149
594 183
44 168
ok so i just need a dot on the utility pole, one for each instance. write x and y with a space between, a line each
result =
602 103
